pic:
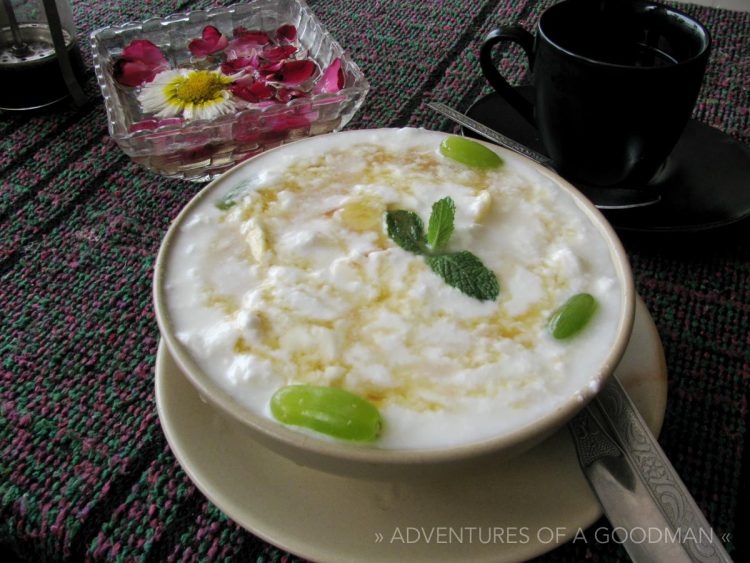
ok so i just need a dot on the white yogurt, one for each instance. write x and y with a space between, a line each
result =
298 282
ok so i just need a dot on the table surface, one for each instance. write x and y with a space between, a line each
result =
85 471
739 5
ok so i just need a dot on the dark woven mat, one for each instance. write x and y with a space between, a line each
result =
85 472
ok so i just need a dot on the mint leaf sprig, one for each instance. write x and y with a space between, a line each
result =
440 227
406 230
462 270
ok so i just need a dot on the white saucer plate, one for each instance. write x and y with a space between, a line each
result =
514 511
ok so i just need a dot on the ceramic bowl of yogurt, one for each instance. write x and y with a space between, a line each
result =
420 275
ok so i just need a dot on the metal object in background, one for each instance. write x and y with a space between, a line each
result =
40 59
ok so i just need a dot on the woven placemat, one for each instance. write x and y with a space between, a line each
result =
85 471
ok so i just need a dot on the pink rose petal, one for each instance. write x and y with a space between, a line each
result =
144 50
149 124
247 45
245 80
291 121
270 69
293 73
258 37
286 34
267 103
256 92
139 63
212 41
234 66
132 73
332 80
286 94
279 53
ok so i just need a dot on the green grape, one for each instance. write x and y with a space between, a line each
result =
231 198
225 203
469 152
570 319
329 410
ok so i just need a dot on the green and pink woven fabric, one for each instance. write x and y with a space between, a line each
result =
85 470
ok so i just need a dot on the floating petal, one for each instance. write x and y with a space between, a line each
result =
150 124
293 73
212 41
279 53
234 66
292 121
246 45
139 63
332 80
286 34
257 37
270 69
144 50
286 94
256 92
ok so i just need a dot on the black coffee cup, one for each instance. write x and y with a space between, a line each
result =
615 83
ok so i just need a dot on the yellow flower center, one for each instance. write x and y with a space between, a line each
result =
199 87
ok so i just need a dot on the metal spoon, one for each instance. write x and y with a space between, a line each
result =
603 198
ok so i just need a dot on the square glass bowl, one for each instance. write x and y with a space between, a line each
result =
200 150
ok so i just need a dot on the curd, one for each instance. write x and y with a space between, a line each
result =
287 275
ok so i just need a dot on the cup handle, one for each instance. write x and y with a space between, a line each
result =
519 35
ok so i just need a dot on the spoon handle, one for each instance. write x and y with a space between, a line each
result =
638 488
490 134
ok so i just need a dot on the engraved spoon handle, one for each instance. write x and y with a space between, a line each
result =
637 485
490 134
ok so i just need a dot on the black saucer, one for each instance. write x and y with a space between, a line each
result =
704 185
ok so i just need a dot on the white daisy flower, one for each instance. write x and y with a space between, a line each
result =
193 94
